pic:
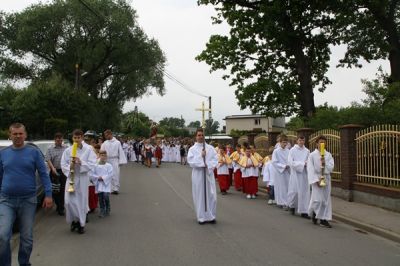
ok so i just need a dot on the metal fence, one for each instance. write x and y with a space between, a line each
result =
332 145
378 155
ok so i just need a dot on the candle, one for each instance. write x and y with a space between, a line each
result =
322 148
74 149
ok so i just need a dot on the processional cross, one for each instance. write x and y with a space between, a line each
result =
203 110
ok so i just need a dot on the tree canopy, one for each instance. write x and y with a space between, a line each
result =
277 53
116 60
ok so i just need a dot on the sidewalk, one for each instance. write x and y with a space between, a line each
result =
369 218
366 217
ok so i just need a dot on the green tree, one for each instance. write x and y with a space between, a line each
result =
370 29
277 53
136 124
195 124
116 59
172 122
7 95
55 99
211 126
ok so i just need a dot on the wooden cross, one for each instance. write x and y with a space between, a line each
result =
203 110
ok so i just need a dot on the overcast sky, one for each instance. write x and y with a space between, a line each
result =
182 29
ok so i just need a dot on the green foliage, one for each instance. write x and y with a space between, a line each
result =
54 125
172 122
277 53
136 124
7 95
211 127
3 134
53 99
120 61
370 30
195 124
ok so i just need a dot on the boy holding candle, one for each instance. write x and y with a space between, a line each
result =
319 167
76 163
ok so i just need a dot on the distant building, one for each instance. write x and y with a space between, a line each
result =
254 123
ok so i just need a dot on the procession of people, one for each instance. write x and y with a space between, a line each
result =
84 174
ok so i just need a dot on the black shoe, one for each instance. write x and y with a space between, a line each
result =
292 210
87 218
314 220
212 221
81 230
115 192
74 225
61 213
202 223
305 215
325 223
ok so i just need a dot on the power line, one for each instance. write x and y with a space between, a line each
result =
173 78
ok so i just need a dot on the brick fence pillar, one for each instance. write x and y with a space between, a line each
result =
348 157
272 138
306 132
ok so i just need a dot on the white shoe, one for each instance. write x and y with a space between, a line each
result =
270 202
248 196
253 196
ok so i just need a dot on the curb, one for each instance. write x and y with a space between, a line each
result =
364 226
367 227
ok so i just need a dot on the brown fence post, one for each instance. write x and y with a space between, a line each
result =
235 141
306 132
272 138
348 157
250 137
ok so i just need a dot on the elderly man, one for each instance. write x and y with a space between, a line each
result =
18 193
115 156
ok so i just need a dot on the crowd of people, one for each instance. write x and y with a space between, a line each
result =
296 180
83 175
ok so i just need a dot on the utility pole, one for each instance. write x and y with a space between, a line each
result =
76 76
209 117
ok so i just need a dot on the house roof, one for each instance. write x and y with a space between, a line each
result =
244 116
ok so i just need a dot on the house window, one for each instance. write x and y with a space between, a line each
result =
257 121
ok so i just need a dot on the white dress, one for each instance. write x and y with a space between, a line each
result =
76 203
320 202
116 157
195 161
281 175
299 189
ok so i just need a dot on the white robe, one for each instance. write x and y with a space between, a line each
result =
106 173
281 175
267 174
116 157
76 203
195 161
320 202
299 189
164 149
178 153
171 154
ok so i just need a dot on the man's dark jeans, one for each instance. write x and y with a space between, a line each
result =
23 209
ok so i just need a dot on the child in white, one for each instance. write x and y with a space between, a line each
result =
101 176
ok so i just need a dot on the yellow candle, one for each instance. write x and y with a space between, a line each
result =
322 148
74 149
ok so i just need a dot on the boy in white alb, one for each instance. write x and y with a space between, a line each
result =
281 172
101 176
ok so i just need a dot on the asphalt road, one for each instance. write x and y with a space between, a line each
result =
152 222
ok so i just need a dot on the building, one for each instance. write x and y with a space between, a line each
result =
254 123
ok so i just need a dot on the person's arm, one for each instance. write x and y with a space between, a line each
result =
45 178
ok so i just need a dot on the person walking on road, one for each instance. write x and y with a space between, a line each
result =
116 157
203 159
77 168
53 159
18 200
